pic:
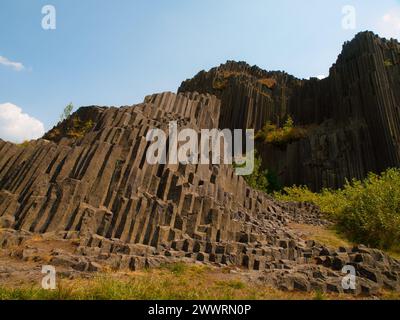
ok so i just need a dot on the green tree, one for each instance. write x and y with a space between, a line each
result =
67 112
289 124
263 180
258 179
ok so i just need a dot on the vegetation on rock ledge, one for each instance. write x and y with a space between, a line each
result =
75 128
280 137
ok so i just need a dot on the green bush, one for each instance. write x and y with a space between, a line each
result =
263 180
24 144
79 128
258 179
388 63
74 128
66 112
365 211
329 201
280 137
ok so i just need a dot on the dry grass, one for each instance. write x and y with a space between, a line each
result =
325 236
268 82
221 82
173 282
394 254
170 282
328 236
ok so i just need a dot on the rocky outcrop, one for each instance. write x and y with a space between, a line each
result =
249 95
97 189
102 184
352 115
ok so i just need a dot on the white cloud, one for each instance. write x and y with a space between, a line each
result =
17 66
389 24
321 76
16 126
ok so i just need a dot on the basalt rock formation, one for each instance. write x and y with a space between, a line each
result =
352 115
98 189
88 181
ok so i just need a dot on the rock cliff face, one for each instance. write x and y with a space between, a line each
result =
88 181
354 112
249 95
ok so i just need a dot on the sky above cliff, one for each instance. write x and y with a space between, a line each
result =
116 52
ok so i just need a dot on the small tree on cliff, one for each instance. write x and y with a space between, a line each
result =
67 112
262 179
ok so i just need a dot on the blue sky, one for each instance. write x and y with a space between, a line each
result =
116 52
